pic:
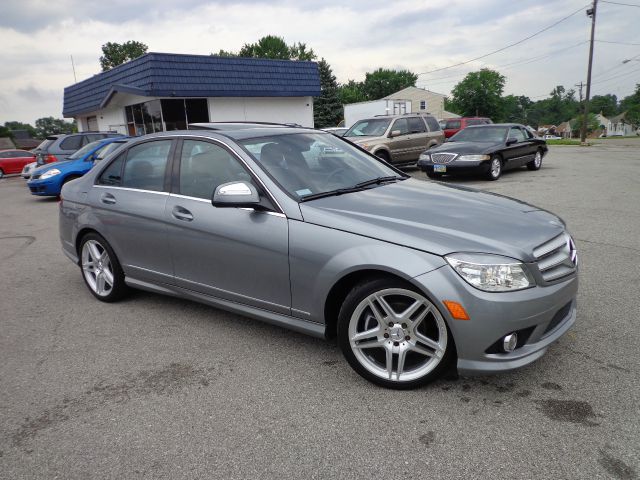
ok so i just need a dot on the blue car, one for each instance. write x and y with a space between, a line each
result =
48 179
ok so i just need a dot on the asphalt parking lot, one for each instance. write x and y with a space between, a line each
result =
155 387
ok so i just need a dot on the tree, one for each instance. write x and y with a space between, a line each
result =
351 92
299 52
607 104
479 93
327 109
592 123
21 126
630 101
114 54
383 82
515 109
632 115
51 126
5 132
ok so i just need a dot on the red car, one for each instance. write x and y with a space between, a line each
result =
13 161
451 126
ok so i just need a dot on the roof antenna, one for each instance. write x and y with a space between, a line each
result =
75 80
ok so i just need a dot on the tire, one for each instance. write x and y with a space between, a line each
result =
536 163
383 155
1 173
101 269
419 336
495 168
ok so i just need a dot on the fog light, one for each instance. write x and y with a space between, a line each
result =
509 342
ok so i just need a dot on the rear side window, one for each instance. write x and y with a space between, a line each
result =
475 121
145 166
72 143
46 143
416 125
452 124
434 126
112 175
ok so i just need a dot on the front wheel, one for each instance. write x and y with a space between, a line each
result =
392 335
383 155
536 163
101 269
495 168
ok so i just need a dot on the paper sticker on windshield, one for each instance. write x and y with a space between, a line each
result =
305 191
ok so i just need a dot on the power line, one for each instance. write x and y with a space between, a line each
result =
617 43
508 46
623 4
616 76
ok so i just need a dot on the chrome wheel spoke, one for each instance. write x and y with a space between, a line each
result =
387 310
93 251
420 318
108 277
402 355
389 362
100 283
411 309
366 335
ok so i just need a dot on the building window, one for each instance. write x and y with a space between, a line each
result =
166 114
423 104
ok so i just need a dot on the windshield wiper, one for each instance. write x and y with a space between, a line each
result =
356 188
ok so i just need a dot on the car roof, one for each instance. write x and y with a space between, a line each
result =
497 125
237 131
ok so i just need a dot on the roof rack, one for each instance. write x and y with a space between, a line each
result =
239 125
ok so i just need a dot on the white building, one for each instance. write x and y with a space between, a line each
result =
162 91
423 100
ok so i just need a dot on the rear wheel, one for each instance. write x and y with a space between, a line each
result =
1 173
101 269
495 168
392 335
536 163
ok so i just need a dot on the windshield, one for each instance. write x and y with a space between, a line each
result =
45 144
481 134
373 127
107 149
305 164
84 151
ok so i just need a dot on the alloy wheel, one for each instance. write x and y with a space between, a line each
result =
397 335
97 268
537 160
496 167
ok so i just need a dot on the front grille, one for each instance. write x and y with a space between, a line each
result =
556 258
443 157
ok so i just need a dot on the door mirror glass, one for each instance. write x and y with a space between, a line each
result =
235 194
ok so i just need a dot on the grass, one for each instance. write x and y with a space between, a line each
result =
619 137
564 141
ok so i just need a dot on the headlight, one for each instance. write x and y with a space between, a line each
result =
491 273
366 146
425 156
50 173
472 158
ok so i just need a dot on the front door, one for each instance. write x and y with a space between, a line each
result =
236 254
517 154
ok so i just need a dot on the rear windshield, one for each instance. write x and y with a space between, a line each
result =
373 127
45 144
84 151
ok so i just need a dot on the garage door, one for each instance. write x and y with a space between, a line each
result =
92 124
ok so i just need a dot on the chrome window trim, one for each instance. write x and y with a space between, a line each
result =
132 189
241 160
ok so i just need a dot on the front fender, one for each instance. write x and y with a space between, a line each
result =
321 256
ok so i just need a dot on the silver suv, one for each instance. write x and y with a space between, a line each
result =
398 139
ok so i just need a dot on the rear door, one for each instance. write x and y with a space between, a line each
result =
129 200
419 136
236 254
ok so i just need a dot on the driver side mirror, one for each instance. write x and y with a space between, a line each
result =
512 140
395 133
235 194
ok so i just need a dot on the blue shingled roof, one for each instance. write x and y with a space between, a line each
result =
175 75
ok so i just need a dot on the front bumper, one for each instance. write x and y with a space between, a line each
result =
540 315
456 167
47 188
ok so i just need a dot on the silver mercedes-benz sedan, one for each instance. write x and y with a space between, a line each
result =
304 230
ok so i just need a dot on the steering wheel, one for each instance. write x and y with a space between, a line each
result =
333 174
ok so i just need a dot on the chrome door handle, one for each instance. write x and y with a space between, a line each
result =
182 213
107 198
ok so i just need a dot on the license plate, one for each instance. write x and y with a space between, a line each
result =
440 168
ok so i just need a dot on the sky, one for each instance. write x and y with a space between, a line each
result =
39 37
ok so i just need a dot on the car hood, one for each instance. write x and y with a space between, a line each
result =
466 147
363 139
59 165
438 218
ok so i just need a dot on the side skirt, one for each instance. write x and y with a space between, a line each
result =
309 328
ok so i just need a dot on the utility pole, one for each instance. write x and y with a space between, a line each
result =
591 12
580 85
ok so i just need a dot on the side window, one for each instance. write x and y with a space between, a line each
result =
72 143
5 154
434 126
475 121
416 125
204 166
451 124
112 175
146 165
423 104
401 124
94 137
517 133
